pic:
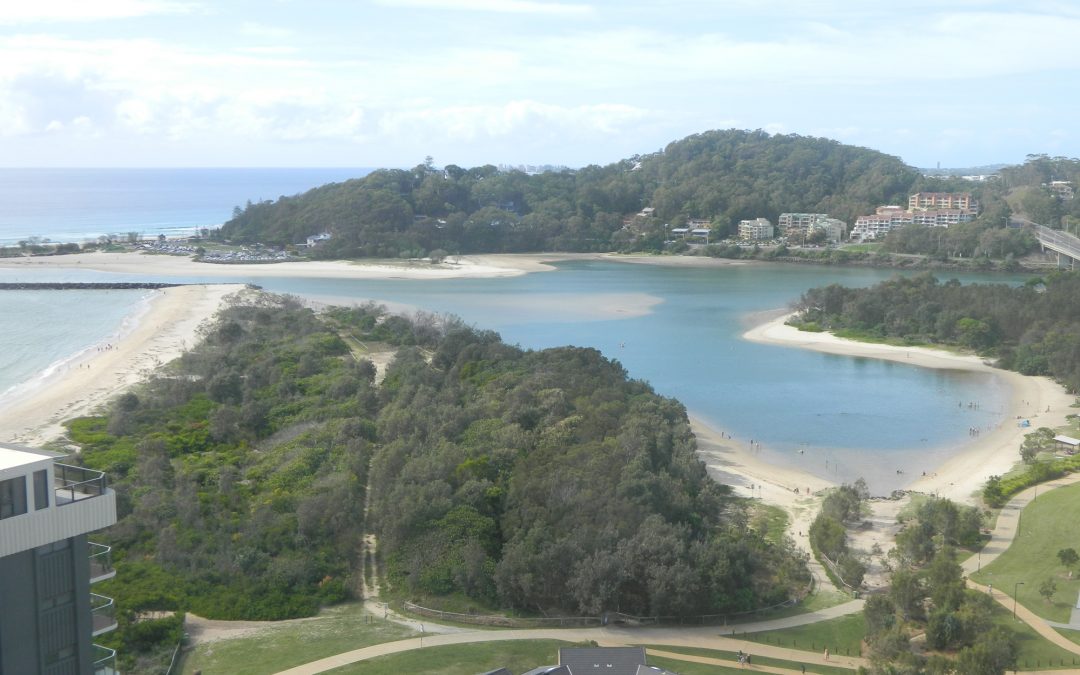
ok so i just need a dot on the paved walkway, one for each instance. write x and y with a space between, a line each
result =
1008 522
708 637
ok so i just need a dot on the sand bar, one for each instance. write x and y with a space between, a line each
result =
484 266
993 453
456 267
159 332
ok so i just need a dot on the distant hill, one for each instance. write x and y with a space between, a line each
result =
718 176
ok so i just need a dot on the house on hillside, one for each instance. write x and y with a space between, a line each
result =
316 239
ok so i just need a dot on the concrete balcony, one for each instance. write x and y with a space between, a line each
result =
101 567
102 614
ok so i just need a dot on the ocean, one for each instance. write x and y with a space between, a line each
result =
76 205
834 416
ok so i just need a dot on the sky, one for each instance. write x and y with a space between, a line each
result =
366 83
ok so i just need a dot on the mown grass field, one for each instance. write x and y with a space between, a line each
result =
518 656
1047 525
274 648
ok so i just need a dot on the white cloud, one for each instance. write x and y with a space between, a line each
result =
36 11
468 123
500 6
262 30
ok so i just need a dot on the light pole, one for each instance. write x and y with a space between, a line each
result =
1015 586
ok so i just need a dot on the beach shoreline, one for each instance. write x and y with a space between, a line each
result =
165 325
480 266
960 476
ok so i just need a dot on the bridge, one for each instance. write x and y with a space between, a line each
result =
1066 246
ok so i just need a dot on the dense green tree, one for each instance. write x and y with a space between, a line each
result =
719 176
1034 328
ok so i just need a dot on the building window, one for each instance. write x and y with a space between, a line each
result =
41 490
12 497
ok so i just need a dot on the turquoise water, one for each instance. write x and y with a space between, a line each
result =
849 417
44 330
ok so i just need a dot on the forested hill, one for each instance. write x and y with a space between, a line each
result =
540 481
1034 329
719 176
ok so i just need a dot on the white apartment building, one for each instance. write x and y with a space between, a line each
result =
48 616
758 229
804 224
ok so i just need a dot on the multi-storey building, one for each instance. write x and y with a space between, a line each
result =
936 209
878 225
48 616
800 225
758 229
942 200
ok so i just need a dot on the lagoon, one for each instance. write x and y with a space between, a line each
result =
679 328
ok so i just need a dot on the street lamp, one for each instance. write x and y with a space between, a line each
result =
1017 584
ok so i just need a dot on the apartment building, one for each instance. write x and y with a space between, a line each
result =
878 224
942 200
800 225
935 209
48 616
758 229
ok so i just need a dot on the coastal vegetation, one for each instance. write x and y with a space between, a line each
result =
927 595
1033 329
539 481
828 536
717 176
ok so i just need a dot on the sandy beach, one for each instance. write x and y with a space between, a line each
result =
456 267
166 326
993 453
484 266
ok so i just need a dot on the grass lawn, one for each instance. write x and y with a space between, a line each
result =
338 629
842 635
688 667
517 656
1034 652
771 519
1047 525
860 248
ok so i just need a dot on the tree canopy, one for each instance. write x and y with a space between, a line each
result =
718 176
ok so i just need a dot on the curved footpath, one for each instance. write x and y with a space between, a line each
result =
1000 539
710 637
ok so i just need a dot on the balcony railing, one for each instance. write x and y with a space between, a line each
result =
102 614
101 567
104 660
73 483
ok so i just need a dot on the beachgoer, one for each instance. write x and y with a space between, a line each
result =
826 653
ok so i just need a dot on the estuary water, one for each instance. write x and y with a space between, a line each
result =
680 329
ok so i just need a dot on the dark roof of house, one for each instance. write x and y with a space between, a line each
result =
549 670
653 670
602 660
